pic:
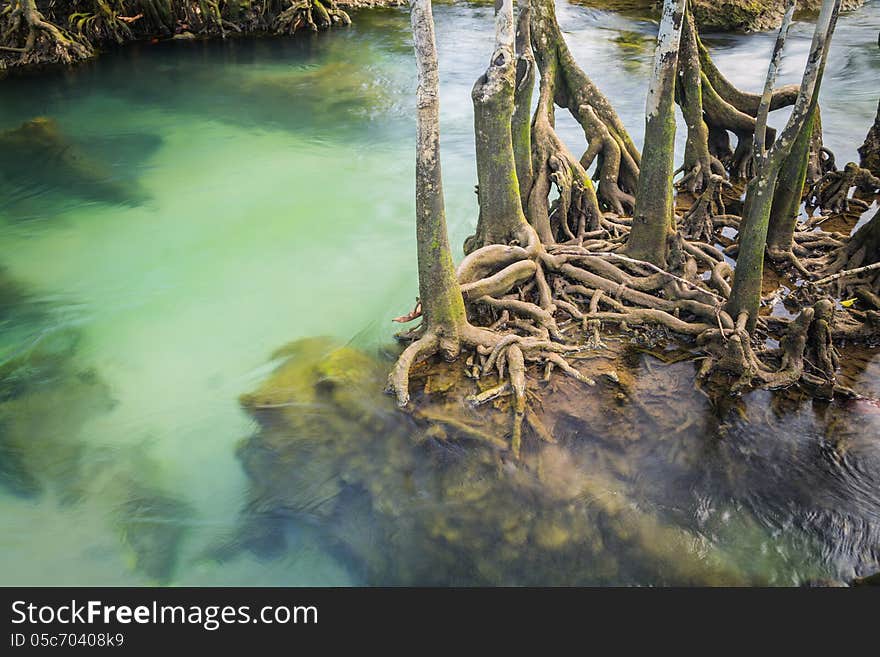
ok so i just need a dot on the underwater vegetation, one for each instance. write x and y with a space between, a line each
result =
637 481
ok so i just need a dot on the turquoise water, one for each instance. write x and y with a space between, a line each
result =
253 192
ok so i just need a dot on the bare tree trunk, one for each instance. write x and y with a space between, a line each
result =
442 303
745 295
790 191
870 150
654 219
501 219
521 123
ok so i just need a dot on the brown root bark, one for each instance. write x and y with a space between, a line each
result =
831 191
312 15
714 109
609 144
26 30
869 152
698 222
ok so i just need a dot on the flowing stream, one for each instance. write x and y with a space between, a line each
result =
230 197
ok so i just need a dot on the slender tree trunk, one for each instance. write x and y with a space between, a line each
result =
870 150
745 295
521 123
789 192
440 293
654 219
699 164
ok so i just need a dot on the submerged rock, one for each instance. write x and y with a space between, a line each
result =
45 398
637 480
426 498
12 295
153 525
39 151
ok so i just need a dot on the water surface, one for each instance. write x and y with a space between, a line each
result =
261 192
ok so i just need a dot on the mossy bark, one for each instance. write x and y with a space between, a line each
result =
789 192
440 294
501 219
654 219
870 150
521 122
745 295
698 163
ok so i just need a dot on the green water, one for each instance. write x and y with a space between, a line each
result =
268 196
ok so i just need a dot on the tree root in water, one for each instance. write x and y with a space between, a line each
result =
38 40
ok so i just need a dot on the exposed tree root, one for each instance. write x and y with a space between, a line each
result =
538 282
564 83
698 222
869 152
38 40
713 109
310 15
850 266
831 191
806 352
67 32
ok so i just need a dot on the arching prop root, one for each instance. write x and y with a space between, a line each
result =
697 222
312 15
536 305
565 84
847 266
26 31
491 354
714 109
831 191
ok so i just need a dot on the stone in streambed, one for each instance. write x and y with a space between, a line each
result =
420 499
38 153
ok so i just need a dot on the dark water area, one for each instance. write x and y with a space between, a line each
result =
172 214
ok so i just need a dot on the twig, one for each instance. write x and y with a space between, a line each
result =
848 272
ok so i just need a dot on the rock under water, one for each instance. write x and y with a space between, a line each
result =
38 150
606 474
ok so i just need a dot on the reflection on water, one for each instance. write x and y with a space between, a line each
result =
171 214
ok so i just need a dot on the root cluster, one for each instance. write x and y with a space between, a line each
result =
549 306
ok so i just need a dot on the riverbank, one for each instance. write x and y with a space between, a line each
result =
179 299
38 33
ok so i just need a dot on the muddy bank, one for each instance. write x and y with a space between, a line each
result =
639 479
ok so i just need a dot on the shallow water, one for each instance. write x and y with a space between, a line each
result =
268 196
